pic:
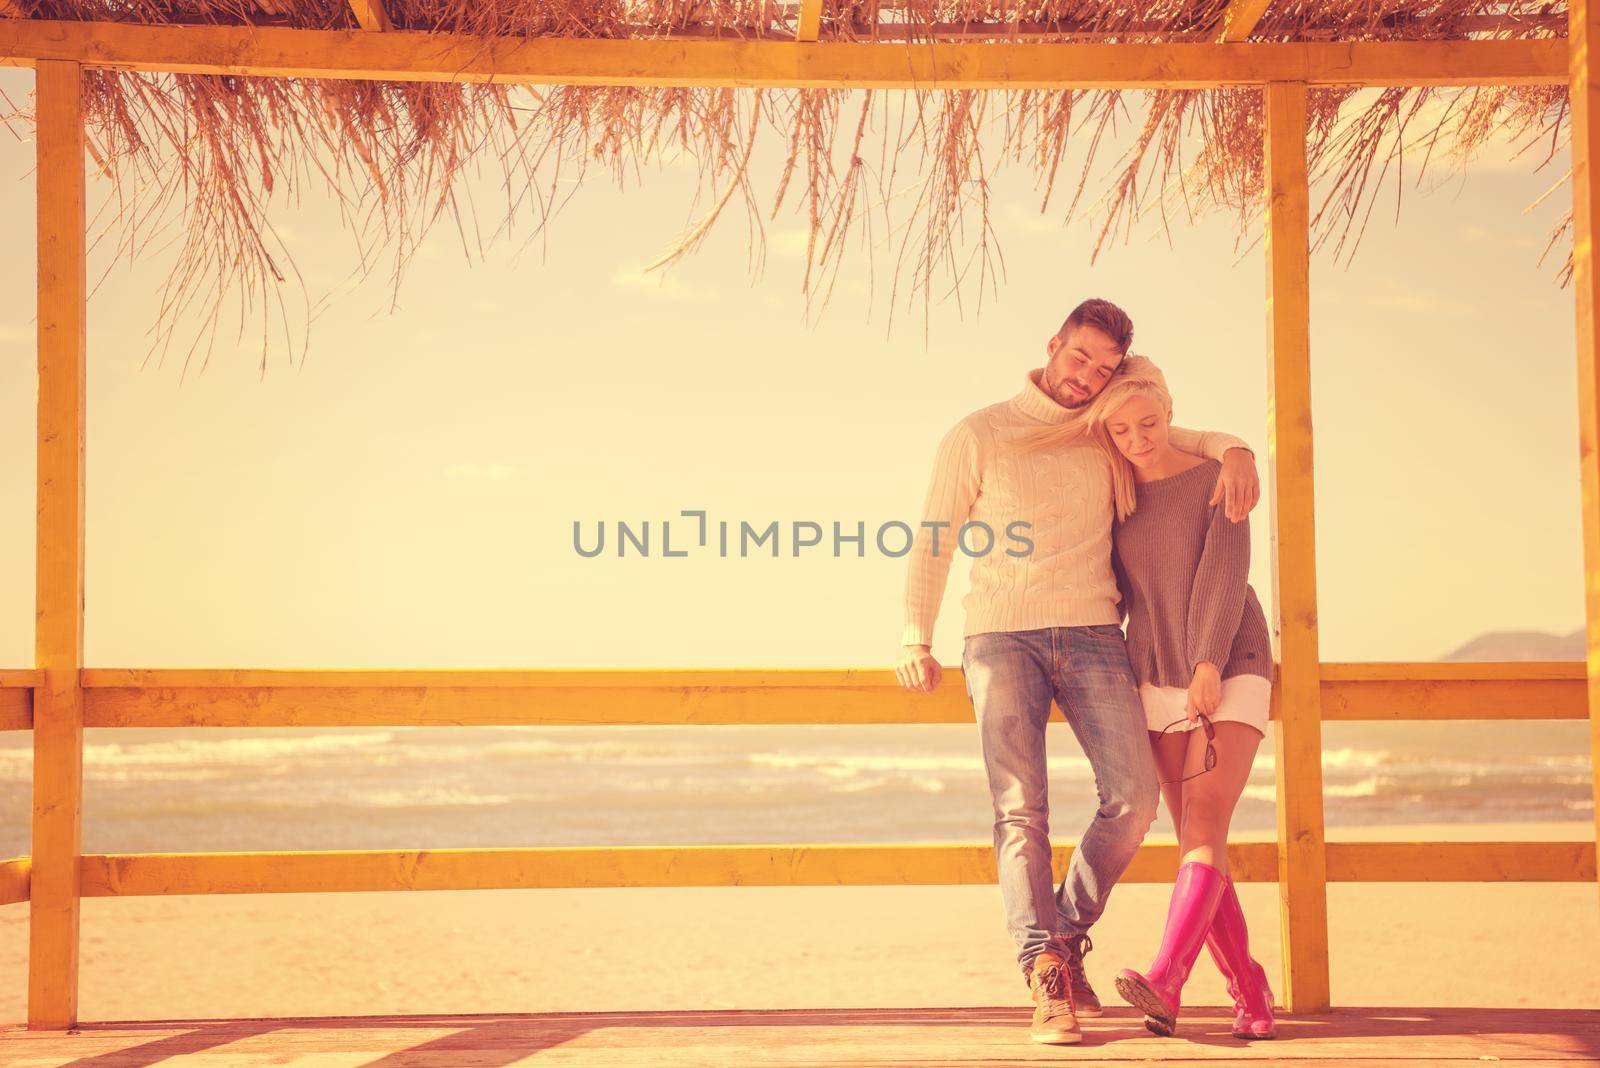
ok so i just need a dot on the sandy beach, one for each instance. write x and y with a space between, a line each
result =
787 947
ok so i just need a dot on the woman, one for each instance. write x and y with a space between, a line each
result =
1201 652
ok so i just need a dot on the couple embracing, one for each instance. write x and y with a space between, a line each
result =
1130 519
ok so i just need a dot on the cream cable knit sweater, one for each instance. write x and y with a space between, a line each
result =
1066 580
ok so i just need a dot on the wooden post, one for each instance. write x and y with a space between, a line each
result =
1583 37
1302 863
58 632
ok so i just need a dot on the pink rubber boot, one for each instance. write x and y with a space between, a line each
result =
1229 942
1156 992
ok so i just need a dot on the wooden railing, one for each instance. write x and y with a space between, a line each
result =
265 698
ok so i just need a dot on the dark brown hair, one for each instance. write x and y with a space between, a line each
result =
1103 316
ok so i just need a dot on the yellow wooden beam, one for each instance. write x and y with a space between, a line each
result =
1518 25
810 24
1239 20
1301 862
1554 690
58 630
16 698
124 875
878 681
553 698
282 52
1460 862
371 15
16 710
1383 671
1583 34
154 874
14 880
123 697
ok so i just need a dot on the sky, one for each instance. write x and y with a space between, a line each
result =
406 495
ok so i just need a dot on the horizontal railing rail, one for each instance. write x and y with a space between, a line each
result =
294 52
182 697
16 699
14 879
145 874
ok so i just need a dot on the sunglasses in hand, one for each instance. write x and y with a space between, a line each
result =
1211 747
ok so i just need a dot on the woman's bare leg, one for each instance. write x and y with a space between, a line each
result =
1208 800
1171 749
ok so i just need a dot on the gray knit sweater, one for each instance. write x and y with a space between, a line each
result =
1183 570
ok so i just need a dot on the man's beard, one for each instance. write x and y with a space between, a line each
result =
1069 401
1059 393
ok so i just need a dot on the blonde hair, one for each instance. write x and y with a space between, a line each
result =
1142 380
1080 423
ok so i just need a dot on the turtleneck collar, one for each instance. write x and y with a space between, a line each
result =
1040 405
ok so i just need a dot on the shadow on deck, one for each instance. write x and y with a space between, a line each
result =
994 1036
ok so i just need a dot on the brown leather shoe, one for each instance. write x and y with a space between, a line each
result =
1053 1020
1085 1002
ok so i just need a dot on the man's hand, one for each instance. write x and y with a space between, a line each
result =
918 671
1205 691
1238 484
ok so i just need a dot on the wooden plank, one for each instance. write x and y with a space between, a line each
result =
14 879
809 26
58 631
1239 20
556 698
608 678
123 697
282 52
1460 862
16 710
144 874
1454 691
1081 29
16 698
840 1037
155 874
371 15
1452 671
1584 93
1303 899
877 680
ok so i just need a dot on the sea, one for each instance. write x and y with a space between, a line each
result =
222 789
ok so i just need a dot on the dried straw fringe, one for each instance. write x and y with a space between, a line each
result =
205 153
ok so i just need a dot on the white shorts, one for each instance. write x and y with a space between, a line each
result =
1245 699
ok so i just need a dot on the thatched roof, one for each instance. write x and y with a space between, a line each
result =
208 151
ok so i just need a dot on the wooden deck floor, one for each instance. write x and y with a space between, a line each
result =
1435 1037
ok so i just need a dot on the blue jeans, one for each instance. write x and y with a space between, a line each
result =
1012 676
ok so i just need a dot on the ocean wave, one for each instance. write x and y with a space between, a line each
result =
214 751
1367 787
427 797
844 765
123 774
1344 758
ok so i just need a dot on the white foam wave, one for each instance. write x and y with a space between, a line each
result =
844 764
428 797
1367 787
226 750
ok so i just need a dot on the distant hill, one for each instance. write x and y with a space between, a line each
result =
1523 645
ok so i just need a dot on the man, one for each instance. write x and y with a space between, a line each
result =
1045 623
